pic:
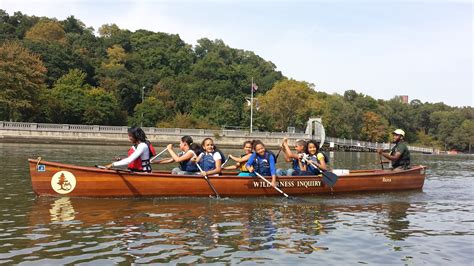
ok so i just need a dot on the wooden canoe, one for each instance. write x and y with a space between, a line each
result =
58 179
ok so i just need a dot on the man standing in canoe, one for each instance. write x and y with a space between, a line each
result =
399 154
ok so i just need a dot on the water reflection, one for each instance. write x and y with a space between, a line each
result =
398 222
207 230
62 210
374 228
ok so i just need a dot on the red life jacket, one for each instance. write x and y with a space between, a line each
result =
138 164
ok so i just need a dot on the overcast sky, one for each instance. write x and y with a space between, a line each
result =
422 49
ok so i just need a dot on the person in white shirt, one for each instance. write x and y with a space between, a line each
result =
139 154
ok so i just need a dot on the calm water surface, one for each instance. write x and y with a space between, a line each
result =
433 226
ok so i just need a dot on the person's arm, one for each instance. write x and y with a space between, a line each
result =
242 159
288 154
387 155
173 154
271 161
138 151
249 163
232 167
321 162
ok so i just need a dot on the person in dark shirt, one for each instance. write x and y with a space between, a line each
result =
399 154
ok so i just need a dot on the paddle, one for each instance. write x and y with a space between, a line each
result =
268 182
228 158
329 178
209 182
381 162
156 156
278 154
115 169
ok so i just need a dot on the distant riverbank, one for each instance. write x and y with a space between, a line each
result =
18 132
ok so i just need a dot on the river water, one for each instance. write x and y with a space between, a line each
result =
432 226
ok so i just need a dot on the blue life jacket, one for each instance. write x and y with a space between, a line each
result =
207 162
262 165
296 165
314 158
188 165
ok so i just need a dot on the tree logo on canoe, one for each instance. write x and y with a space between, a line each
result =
63 182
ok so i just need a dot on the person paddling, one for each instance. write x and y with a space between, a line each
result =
210 160
189 150
399 155
294 158
242 160
317 158
262 161
139 155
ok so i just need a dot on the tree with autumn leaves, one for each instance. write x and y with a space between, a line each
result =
22 80
59 71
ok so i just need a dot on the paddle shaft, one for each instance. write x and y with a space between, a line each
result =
228 158
268 182
114 169
381 162
209 182
156 156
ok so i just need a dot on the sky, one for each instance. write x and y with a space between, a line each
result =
383 48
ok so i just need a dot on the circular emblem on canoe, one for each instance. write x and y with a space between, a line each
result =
63 182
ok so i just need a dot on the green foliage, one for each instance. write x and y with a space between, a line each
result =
101 108
148 113
374 127
181 120
22 75
60 72
290 103
47 30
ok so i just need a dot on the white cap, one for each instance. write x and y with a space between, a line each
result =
399 132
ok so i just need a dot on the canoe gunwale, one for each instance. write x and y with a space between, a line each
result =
96 182
233 175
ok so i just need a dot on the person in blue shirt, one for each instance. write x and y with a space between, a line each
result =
262 161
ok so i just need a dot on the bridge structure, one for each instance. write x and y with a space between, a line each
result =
95 134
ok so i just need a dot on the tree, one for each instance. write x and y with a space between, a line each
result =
59 60
339 118
68 98
400 115
102 108
47 31
148 113
290 103
374 127
22 75
447 122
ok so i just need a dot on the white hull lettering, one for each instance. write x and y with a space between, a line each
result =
312 183
286 184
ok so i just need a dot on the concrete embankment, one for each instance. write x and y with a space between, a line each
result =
98 135
117 135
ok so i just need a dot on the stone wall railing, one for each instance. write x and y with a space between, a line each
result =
348 143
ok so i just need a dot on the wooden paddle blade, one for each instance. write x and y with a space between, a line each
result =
330 178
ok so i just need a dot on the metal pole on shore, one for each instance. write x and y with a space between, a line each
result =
143 96
251 106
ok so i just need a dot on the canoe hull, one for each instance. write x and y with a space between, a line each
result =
57 179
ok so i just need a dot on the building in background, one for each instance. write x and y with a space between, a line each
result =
404 98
